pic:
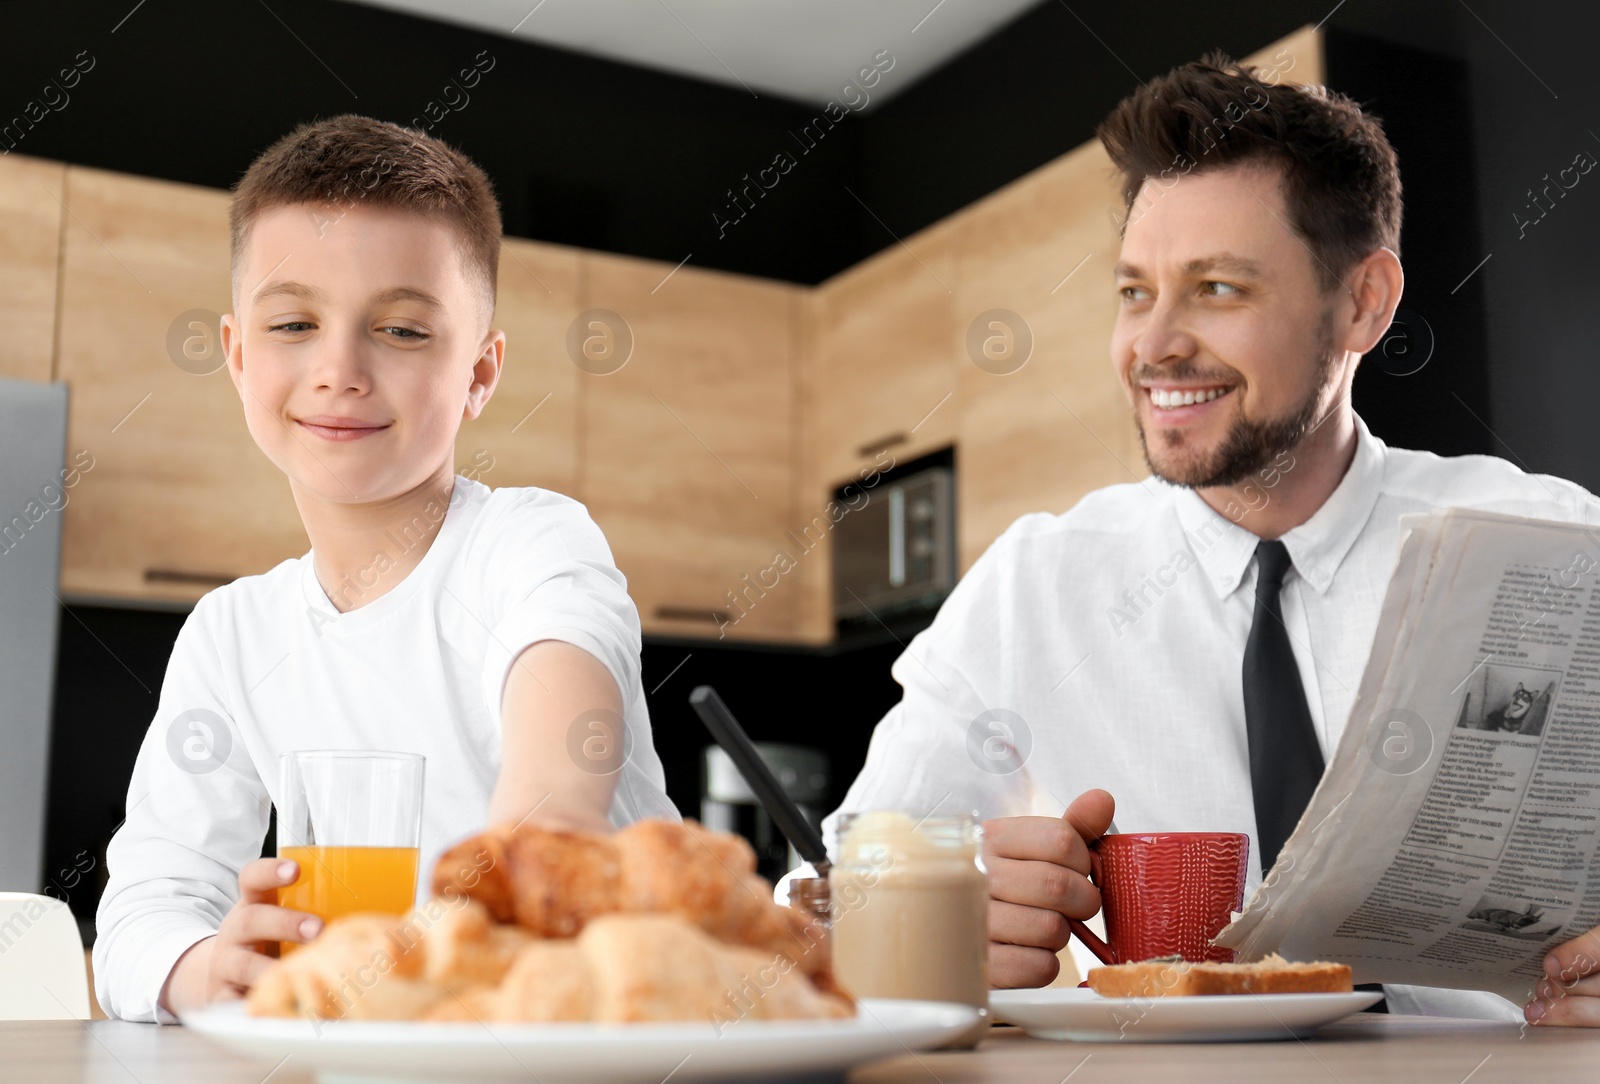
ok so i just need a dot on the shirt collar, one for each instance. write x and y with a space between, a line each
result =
1317 547
1222 547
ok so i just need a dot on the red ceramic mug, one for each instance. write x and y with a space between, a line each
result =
1166 894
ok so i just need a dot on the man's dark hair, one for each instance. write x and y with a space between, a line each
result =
1341 179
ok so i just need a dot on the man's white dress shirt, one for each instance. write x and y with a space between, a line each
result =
1103 647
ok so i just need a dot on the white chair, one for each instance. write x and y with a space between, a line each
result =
42 975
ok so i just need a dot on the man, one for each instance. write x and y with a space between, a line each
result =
1192 644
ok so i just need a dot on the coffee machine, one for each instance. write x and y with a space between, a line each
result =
727 803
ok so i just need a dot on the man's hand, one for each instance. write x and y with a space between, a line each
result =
224 967
1569 994
1038 878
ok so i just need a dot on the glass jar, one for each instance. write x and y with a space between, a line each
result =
910 910
812 897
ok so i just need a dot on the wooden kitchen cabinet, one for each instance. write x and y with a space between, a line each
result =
686 451
1035 262
527 435
882 350
880 353
30 238
179 498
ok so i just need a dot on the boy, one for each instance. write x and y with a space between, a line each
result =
489 631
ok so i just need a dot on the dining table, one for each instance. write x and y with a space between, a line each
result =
1363 1047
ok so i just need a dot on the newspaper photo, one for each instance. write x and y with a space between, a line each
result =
1452 841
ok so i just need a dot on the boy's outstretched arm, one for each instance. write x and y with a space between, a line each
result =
563 740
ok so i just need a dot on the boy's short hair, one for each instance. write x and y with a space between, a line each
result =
1341 178
351 160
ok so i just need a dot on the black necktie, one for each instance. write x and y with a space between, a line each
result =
1285 760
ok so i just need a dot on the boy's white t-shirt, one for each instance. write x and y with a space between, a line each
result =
267 665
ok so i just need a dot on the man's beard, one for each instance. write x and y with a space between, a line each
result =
1250 446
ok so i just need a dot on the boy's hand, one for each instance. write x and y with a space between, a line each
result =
224 967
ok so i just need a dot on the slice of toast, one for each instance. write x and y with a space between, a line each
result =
1175 977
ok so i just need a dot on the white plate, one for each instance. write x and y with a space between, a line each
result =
591 1053
1076 1013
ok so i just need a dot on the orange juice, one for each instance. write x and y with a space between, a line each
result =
338 881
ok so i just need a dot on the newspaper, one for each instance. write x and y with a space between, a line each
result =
1452 840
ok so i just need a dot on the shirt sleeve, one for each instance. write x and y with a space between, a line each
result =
949 746
197 812
546 573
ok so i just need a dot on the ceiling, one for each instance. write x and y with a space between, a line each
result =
807 50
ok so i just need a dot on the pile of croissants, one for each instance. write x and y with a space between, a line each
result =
661 921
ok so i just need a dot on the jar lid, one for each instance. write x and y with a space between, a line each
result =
892 835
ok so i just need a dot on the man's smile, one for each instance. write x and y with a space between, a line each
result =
1172 402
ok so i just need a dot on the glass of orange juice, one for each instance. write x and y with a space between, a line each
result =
352 819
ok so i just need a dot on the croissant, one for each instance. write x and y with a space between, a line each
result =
460 966
553 882
641 968
361 967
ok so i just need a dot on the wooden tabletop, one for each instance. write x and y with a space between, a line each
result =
1366 1047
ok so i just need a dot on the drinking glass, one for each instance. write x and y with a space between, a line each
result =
352 819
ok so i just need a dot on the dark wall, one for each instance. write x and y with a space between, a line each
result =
588 152
1430 373
823 699
1036 90
581 151
1535 111
110 664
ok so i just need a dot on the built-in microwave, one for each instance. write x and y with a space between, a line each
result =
894 547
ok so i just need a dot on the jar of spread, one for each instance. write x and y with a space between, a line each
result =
910 910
